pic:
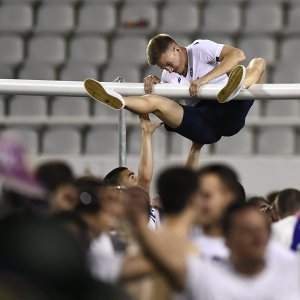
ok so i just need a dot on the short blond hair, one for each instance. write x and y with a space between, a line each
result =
157 46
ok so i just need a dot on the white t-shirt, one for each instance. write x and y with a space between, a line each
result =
283 230
203 56
104 263
214 281
214 248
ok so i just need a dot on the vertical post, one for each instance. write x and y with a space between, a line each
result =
122 132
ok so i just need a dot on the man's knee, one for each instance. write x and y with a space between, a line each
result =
259 63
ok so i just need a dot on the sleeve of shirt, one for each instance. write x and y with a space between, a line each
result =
207 50
164 77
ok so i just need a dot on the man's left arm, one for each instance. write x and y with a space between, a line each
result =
229 58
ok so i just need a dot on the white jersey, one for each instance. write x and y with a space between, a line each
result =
104 263
214 281
214 248
203 56
283 230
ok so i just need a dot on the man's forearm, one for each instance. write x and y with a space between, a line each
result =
229 61
145 171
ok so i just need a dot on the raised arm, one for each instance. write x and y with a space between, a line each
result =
145 171
229 58
193 157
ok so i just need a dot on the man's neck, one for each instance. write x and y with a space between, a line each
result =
248 268
213 230
186 61
178 225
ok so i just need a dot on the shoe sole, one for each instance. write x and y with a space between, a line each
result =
98 93
233 82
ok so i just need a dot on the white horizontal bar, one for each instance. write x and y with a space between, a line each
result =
209 91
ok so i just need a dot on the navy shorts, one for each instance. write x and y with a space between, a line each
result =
209 120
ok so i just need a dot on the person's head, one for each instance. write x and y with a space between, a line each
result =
263 204
287 203
246 232
163 51
58 179
271 197
219 188
178 190
99 210
121 176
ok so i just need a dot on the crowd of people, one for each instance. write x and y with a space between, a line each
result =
197 237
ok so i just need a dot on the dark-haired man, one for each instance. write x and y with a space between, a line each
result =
244 275
202 62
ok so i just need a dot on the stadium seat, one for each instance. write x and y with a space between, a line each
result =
259 47
289 51
140 1
2 105
16 18
102 140
6 71
182 40
282 108
27 135
180 18
47 50
19 1
129 73
88 50
122 50
255 110
136 18
78 72
239 144
286 74
37 72
102 111
62 1
12 50
23 105
152 70
276 140
95 18
61 140
58 18
70 106
263 19
220 39
134 141
221 19
293 26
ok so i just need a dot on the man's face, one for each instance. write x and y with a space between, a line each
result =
65 198
171 60
128 179
214 200
248 235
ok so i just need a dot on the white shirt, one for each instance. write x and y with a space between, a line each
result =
283 231
207 280
203 56
214 248
104 263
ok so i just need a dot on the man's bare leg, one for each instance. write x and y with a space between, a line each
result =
255 72
170 112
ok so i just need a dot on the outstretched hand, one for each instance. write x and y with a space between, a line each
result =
147 125
195 86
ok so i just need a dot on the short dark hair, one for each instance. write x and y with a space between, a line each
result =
113 177
228 177
175 186
234 210
89 200
157 46
53 174
288 202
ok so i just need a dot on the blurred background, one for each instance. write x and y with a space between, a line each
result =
103 39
